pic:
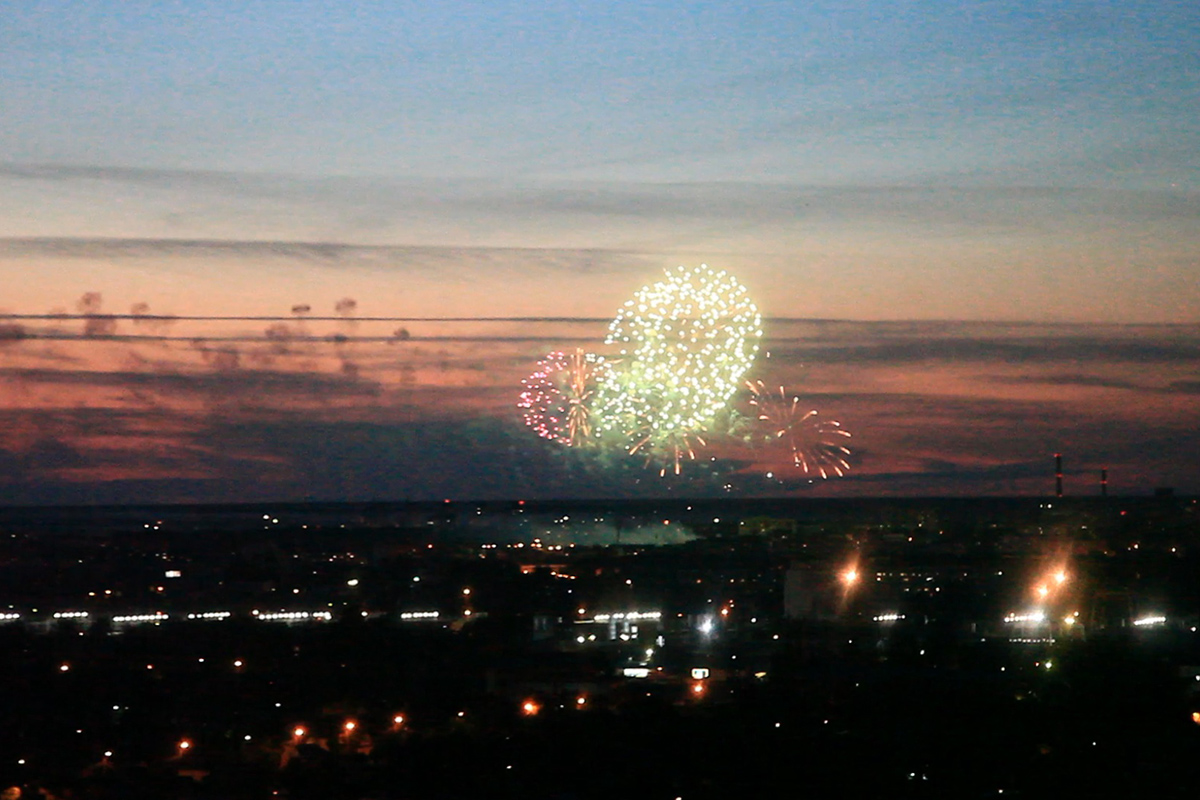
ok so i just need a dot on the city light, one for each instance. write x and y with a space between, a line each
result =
629 616
418 615
293 616
1147 621
299 732
1033 616
849 576
158 616
889 617
349 726
529 708
184 745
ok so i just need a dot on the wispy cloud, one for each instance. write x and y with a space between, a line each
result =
430 418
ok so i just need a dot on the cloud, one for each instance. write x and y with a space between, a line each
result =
369 417
1184 387
225 385
207 208
1092 381
1100 347
450 259
11 332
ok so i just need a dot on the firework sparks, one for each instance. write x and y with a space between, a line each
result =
678 446
685 344
555 400
816 445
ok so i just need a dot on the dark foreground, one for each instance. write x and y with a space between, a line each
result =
1106 719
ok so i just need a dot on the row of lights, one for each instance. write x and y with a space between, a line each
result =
288 616
299 733
628 616
160 616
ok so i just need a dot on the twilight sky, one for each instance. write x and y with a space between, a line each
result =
974 228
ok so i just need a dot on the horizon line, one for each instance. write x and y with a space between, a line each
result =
526 502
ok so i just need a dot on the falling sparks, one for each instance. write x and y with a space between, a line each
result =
678 446
816 445
685 344
555 399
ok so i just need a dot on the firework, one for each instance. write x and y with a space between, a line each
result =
685 344
555 400
675 447
816 445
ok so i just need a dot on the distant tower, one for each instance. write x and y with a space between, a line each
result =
1104 483
1058 474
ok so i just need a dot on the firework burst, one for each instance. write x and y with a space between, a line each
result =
685 344
816 445
555 399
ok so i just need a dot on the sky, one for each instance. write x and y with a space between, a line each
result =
973 229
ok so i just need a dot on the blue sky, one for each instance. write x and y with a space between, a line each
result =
1061 93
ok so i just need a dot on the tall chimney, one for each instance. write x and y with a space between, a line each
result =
1058 474
1104 482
